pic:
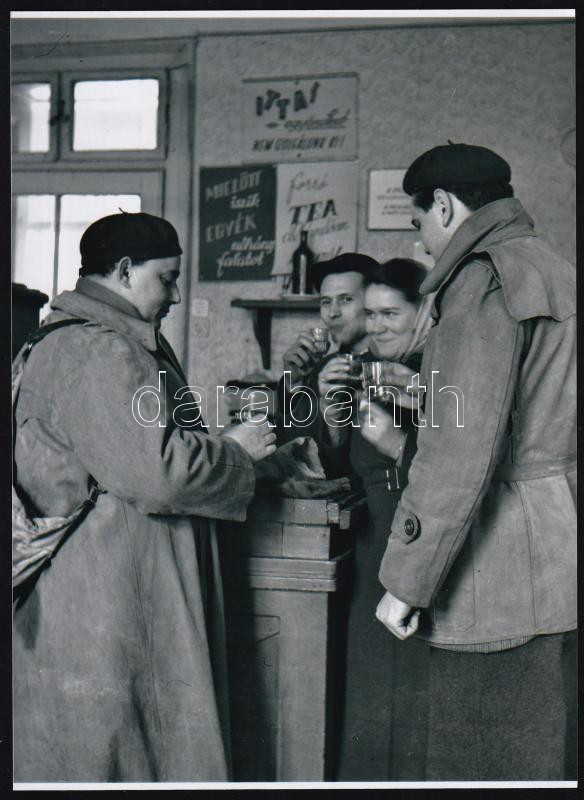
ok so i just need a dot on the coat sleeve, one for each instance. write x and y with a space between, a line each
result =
473 360
160 469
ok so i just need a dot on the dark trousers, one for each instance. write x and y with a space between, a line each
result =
508 716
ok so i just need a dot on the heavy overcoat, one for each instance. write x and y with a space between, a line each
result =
484 537
119 655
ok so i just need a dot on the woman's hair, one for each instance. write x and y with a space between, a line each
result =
403 274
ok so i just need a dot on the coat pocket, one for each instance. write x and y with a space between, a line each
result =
551 516
454 608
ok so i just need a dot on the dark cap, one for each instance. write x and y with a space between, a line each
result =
455 164
345 262
140 236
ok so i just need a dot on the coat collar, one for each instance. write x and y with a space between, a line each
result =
96 303
493 223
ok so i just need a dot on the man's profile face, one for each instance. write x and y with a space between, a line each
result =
153 288
341 306
432 233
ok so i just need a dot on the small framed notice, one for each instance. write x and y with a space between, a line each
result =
389 205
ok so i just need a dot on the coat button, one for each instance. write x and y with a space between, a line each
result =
409 527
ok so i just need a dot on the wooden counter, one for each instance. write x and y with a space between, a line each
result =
286 572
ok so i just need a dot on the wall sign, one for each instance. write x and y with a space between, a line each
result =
237 223
300 119
389 205
321 198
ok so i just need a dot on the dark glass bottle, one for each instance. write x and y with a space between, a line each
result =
302 261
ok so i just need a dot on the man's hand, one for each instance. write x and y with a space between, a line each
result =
377 427
258 441
397 616
400 376
301 357
335 373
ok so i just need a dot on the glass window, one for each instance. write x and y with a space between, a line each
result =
34 241
35 229
78 211
115 115
30 114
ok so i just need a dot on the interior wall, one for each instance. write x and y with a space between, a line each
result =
507 87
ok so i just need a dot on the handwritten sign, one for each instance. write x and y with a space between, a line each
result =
322 199
237 223
300 119
389 205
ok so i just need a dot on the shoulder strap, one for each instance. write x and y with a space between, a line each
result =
18 368
43 331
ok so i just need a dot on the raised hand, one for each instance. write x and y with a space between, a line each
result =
301 357
399 376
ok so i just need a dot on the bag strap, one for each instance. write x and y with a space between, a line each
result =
17 371
43 331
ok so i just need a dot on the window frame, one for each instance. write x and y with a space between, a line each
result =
22 158
148 183
176 56
68 80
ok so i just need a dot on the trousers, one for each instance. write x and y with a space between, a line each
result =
508 715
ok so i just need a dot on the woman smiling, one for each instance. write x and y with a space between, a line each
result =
397 320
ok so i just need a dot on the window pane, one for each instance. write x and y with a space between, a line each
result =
34 242
30 112
78 211
115 115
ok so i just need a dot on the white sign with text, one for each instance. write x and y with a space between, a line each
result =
322 199
299 119
389 205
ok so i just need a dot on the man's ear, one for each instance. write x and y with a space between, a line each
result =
443 202
123 270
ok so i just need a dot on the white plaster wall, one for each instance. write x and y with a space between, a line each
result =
508 87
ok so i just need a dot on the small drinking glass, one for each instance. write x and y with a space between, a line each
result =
320 339
372 376
256 398
354 362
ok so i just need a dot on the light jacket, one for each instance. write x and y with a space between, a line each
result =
484 538
119 652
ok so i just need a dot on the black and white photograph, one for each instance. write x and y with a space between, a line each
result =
294 391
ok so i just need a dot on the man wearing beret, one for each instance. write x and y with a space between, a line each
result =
481 557
340 282
119 652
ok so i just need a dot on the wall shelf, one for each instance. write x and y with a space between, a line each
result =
262 316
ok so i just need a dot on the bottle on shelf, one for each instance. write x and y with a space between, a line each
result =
302 261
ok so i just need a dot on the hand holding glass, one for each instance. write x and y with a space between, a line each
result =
372 375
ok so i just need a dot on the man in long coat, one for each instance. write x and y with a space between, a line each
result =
119 651
481 559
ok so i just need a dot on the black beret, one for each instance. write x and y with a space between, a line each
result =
455 164
140 236
345 262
